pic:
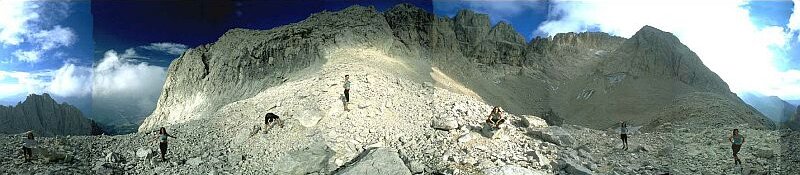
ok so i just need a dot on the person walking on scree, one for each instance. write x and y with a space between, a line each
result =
346 91
736 144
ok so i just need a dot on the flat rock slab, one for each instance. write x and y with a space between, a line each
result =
511 170
381 161
312 159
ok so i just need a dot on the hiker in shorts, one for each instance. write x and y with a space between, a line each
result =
496 117
28 144
346 86
623 134
162 145
736 144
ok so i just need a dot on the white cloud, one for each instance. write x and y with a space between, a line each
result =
720 32
126 88
31 56
116 74
57 37
25 24
71 81
794 19
14 14
23 83
170 48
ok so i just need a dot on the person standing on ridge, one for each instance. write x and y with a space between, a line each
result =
162 145
736 144
346 91
623 134
28 144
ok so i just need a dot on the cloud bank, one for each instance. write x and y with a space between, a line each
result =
170 48
22 26
720 32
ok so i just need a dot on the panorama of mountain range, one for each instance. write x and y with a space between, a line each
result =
404 91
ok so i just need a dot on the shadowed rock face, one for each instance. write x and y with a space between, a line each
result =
544 75
45 117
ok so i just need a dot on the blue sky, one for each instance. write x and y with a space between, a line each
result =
105 54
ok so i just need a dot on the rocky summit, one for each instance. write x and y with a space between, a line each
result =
422 87
44 116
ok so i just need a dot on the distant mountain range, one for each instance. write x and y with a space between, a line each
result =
46 117
775 108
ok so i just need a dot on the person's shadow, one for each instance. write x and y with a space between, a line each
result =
344 102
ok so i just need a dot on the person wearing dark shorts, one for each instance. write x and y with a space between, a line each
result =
346 86
162 145
28 143
736 144
496 117
623 134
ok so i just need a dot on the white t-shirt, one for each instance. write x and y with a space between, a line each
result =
29 143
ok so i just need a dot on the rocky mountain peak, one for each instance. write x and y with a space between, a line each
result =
652 52
505 32
45 116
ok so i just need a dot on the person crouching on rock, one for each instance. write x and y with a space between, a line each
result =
270 120
28 144
736 144
496 117
623 134
162 145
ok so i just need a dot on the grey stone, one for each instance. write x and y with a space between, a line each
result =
573 167
114 157
444 123
311 159
144 153
377 161
416 167
553 134
511 170
195 161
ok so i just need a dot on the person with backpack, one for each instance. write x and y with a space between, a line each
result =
736 144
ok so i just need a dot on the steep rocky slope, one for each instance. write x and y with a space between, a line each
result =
422 86
590 79
775 108
399 122
44 116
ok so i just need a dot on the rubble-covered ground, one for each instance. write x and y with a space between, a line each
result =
399 122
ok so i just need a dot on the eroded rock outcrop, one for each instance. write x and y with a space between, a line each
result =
46 117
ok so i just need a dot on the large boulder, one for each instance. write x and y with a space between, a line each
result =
144 153
196 161
572 167
512 170
311 159
533 121
444 122
383 161
113 157
553 134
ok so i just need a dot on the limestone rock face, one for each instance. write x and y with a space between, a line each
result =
654 52
572 75
244 62
45 117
